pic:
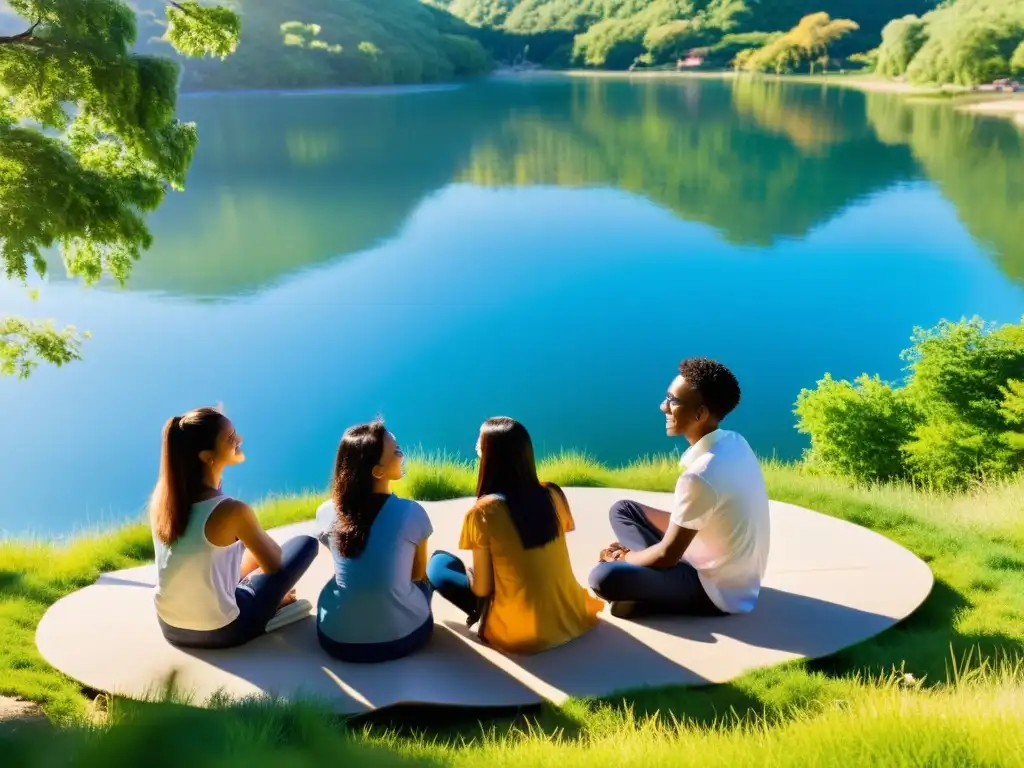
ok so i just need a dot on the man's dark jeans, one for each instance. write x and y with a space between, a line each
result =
655 590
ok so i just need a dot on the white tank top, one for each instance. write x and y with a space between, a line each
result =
196 580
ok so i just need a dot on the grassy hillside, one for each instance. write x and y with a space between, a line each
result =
857 707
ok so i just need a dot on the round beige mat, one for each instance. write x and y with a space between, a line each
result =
830 584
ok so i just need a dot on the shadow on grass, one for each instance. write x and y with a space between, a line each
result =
926 643
171 735
465 725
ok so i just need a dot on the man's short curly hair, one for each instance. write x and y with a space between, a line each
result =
717 385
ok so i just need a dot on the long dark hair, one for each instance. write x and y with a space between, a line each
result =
360 450
508 467
181 470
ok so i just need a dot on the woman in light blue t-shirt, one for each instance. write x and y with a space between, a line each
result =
377 606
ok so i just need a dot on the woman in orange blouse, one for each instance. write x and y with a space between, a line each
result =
521 587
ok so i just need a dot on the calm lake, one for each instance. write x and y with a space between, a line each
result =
544 248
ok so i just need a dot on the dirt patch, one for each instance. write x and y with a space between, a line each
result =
15 713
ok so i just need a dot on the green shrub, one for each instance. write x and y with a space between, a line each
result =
1017 62
959 374
964 43
956 419
1013 411
901 40
857 429
467 56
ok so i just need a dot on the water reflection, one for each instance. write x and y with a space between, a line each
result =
977 162
281 184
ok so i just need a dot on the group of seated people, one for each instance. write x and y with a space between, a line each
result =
222 580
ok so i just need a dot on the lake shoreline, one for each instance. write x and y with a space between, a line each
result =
994 104
1010 106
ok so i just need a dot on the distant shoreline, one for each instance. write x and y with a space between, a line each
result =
1008 106
331 90
1005 105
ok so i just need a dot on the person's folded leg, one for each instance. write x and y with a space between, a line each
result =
632 528
258 598
260 595
447 575
638 589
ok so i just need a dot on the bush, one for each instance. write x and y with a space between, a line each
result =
1013 411
857 429
956 420
901 40
467 56
1017 62
964 43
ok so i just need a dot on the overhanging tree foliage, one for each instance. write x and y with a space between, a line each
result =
89 143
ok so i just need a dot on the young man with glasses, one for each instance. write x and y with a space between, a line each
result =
707 556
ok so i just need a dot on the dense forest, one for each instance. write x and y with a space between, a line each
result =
617 33
315 43
312 43
965 42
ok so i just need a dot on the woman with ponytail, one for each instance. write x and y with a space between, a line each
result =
220 577
377 606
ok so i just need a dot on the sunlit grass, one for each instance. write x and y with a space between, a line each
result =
971 719
849 707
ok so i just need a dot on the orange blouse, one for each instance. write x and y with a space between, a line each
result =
537 603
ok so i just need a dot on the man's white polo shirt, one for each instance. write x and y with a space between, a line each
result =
721 494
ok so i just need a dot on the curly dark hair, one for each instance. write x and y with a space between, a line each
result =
717 385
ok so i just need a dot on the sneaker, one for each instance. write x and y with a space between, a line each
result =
290 614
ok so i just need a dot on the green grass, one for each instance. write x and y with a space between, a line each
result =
853 706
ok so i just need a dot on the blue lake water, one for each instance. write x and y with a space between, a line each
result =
548 249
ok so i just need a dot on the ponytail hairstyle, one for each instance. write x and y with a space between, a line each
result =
181 470
360 450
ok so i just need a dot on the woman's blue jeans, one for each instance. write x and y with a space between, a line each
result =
447 575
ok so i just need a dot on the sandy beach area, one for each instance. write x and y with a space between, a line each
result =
1011 106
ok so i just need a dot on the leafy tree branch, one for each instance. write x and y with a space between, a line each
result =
89 144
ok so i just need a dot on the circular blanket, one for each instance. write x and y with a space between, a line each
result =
830 584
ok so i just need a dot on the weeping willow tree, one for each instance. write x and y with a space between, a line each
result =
89 144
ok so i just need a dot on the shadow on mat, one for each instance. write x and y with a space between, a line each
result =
783 621
602 663
448 672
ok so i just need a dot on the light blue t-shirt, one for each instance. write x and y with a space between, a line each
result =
372 598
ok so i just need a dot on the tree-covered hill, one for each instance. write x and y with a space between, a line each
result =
965 42
613 33
315 43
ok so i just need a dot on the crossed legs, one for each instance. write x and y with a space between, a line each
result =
637 589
